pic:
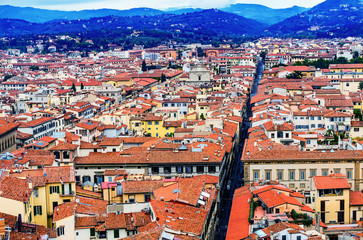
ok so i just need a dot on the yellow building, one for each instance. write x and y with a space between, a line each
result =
139 191
154 126
356 205
119 80
337 68
331 198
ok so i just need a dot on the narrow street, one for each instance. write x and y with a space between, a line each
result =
235 179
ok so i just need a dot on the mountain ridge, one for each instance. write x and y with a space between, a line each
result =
38 15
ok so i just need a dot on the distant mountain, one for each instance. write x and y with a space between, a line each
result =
211 22
332 18
253 11
262 13
37 15
183 10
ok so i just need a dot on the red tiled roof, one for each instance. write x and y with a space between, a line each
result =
356 198
333 181
238 225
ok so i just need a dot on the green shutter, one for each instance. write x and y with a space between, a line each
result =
34 211
62 189
57 189
40 210
50 189
70 188
93 232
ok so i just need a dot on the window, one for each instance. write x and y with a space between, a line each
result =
37 210
349 173
116 233
167 170
179 169
291 185
188 169
268 175
60 231
150 123
312 173
279 174
298 238
256 175
211 169
287 135
131 198
356 129
36 192
302 174
292 174
280 134
155 170
200 169
324 172
147 198
337 170
156 122
272 135
341 202
54 189
92 232
283 237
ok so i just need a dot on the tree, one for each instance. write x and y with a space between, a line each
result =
295 75
336 138
360 86
202 116
200 52
82 86
34 68
7 77
358 114
143 66
73 87
163 78
355 54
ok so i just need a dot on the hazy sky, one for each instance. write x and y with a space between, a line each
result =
159 4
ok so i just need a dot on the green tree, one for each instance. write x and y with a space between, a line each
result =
7 77
82 86
143 66
360 85
355 54
34 68
336 138
163 78
73 87
358 114
200 52
202 116
295 75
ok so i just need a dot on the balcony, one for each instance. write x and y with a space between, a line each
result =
67 194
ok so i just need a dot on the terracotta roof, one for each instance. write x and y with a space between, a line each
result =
185 190
140 186
64 146
186 218
238 225
85 222
356 198
333 181
274 199
7 127
15 188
